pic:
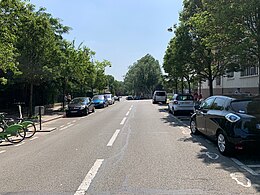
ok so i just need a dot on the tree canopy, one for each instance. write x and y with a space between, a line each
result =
143 77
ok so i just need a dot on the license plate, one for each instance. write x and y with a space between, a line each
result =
73 111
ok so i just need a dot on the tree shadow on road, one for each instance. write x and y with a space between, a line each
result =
210 155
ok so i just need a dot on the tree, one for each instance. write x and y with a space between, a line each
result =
37 44
143 76
11 13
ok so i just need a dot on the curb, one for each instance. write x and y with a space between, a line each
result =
51 119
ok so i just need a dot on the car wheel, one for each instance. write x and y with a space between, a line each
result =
86 111
193 127
93 110
223 144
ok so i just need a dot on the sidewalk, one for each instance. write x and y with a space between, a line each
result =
53 113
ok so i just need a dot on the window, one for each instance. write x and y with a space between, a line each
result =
249 71
230 74
218 104
207 103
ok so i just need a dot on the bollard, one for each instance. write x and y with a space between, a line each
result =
40 115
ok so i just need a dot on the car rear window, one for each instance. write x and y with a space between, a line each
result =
100 97
160 93
184 97
78 100
246 106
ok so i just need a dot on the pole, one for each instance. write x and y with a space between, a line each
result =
40 114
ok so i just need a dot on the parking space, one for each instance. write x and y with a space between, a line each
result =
246 160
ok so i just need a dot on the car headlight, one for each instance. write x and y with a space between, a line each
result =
232 117
82 107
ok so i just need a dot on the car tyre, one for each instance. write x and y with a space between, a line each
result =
93 109
193 127
86 111
224 146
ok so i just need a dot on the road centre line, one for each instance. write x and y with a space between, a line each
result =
66 127
34 138
113 138
74 121
123 121
62 126
3 151
127 113
243 166
69 123
89 177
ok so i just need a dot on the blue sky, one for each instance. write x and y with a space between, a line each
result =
121 31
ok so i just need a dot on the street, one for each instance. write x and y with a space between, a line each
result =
131 147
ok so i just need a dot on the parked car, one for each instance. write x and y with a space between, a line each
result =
100 101
116 98
130 97
233 122
181 103
110 98
80 106
159 96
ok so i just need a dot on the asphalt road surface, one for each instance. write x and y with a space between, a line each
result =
131 147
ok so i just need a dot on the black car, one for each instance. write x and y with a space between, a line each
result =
80 106
233 122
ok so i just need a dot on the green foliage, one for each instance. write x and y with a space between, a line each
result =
143 76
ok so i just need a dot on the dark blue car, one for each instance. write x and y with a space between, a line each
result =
100 101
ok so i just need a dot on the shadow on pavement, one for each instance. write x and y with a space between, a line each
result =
210 155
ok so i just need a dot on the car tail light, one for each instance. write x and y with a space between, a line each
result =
232 117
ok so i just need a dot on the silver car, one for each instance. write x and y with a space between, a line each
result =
110 99
181 103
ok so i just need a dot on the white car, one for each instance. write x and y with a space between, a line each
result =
159 96
181 103
110 99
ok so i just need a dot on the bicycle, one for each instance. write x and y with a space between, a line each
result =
14 133
29 126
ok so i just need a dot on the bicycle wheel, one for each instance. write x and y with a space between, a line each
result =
30 130
16 137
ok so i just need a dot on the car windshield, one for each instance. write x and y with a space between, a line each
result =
160 93
98 97
184 97
108 95
246 106
78 101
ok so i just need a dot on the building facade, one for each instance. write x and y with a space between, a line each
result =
246 81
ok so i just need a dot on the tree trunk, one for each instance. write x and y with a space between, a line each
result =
176 86
210 86
182 86
188 80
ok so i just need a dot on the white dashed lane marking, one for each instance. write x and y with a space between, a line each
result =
123 121
89 177
113 138
2 151
20 144
34 138
66 127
